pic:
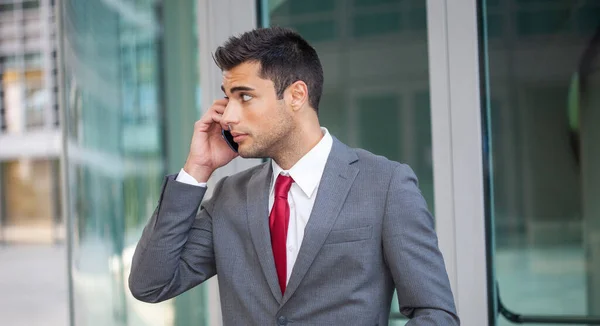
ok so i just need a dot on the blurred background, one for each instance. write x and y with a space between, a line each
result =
98 100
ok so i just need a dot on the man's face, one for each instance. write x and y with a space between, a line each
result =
259 121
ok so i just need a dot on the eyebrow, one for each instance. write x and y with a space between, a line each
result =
238 89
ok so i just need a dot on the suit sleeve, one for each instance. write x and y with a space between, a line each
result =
411 252
175 252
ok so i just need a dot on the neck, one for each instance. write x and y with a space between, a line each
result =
305 139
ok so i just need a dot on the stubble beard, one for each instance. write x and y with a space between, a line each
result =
270 143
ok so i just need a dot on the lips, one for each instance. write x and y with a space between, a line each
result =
237 137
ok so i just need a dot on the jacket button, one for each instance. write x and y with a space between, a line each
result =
282 321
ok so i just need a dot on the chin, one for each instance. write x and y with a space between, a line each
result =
245 152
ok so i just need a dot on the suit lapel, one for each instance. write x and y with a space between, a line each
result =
335 184
258 222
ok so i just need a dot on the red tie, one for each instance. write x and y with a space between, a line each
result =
278 223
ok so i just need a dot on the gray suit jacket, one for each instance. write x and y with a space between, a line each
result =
369 233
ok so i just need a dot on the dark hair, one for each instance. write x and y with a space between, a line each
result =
284 57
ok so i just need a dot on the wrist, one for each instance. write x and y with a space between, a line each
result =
198 172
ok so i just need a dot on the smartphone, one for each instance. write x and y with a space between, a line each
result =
229 139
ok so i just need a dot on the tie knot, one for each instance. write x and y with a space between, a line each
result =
283 185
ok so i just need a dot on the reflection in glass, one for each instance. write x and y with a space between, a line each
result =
543 116
376 90
114 153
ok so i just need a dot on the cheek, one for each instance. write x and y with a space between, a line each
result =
263 113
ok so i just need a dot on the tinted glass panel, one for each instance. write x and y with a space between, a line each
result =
543 117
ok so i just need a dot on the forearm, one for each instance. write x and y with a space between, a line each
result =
433 317
412 254
159 268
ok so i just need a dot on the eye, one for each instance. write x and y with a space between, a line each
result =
246 97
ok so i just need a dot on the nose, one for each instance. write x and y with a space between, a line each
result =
230 115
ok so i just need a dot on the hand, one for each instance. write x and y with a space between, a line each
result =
208 150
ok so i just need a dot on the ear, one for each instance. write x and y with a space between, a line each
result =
297 94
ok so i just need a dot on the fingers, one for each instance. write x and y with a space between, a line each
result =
219 108
219 105
214 115
209 119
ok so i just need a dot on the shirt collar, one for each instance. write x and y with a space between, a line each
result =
308 170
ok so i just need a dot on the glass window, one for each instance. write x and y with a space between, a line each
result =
119 64
29 200
378 23
36 100
7 7
31 4
115 163
12 88
25 100
376 92
542 122
33 60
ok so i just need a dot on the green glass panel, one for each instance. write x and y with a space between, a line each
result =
317 31
542 157
361 3
424 167
333 113
376 24
418 19
380 135
311 6
540 2
588 19
544 22
495 25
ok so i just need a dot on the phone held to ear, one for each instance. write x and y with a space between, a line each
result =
229 139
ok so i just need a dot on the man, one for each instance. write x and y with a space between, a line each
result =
320 235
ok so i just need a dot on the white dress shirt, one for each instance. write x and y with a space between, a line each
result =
307 173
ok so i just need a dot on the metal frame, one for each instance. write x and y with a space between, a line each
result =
457 153
2 207
64 170
48 45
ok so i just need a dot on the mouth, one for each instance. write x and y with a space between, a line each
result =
238 137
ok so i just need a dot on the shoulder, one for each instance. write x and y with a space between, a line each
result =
240 179
372 163
232 188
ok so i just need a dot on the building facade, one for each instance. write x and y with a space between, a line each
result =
492 103
29 124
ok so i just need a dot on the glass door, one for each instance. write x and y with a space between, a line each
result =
543 148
